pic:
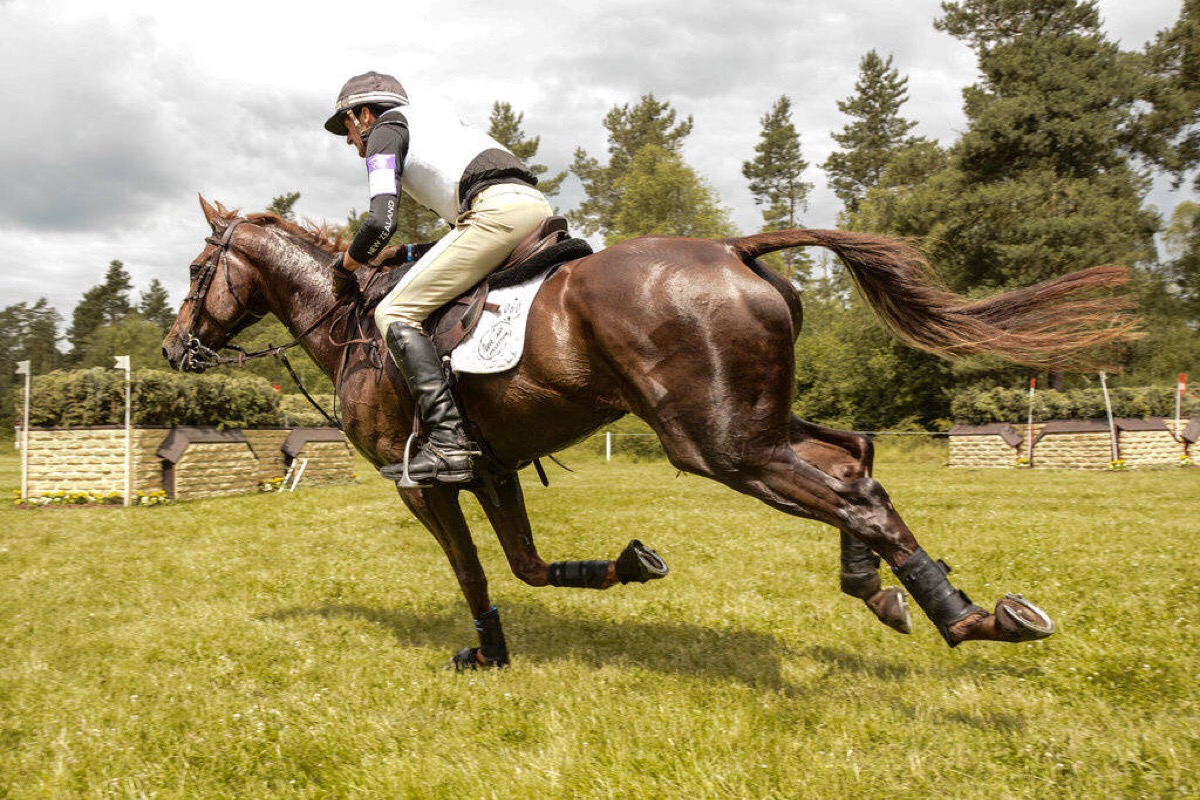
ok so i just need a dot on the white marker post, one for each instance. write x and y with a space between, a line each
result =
23 369
1029 425
122 362
1112 428
1180 391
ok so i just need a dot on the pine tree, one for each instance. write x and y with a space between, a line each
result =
27 333
650 122
284 205
506 129
1040 183
660 194
776 180
1183 271
105 303
1169 135
1048 187
1055 94
154 305
138 338
877 133
40 345
30 333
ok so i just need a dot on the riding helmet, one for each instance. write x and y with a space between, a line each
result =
370 88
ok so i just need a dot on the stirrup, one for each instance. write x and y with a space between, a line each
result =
404 481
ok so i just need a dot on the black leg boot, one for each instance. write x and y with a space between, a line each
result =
446 456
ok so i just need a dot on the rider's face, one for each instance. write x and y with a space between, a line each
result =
357 126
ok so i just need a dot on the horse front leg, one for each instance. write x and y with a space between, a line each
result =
850 456
636 564
438 509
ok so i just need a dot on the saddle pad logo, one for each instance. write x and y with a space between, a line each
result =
493 343
496 343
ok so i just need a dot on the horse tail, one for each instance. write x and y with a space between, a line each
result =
1066 323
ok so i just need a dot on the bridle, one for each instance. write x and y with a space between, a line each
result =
196 353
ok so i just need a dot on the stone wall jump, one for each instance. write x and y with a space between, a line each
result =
1073 444
186 463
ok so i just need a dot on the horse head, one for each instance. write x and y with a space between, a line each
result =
224 296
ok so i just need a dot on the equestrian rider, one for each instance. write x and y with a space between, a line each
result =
473 183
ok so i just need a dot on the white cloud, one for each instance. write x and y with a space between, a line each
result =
117 114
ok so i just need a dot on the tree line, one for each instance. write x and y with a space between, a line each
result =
1064 132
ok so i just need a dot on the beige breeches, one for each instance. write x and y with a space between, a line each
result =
499 218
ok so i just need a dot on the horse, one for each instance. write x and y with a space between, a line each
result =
694 336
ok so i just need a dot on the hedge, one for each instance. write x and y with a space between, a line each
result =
81 398
982 406
299 413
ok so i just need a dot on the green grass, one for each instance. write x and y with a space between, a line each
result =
291 645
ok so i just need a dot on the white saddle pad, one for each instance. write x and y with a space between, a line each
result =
497 341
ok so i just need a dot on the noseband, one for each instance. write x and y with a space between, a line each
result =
195 351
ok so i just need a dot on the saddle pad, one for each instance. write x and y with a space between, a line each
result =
498 340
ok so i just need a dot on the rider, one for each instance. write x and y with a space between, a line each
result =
473 183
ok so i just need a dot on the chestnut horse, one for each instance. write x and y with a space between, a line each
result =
695 337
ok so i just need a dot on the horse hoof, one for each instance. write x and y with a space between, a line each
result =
1021 620
469 658
890 605
638 563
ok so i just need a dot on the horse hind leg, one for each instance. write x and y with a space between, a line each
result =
849 456
1015 618
860 578
637 563
861 508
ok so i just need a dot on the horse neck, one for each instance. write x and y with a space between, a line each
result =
297 291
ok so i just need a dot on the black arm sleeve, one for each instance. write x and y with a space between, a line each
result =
386 139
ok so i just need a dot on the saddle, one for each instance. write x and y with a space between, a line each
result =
543 251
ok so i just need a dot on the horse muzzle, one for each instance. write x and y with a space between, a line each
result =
192 355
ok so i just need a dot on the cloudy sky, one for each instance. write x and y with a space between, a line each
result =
118 113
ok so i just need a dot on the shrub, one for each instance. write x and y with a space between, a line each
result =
981 406
81 398
298 412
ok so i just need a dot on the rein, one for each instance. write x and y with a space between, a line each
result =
211 358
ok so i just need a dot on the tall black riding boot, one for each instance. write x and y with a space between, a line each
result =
446 455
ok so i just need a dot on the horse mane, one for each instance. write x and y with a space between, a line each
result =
321 235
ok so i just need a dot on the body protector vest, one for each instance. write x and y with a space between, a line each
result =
440 150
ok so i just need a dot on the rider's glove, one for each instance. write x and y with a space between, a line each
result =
344 282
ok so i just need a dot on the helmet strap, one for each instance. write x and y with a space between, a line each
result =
357 134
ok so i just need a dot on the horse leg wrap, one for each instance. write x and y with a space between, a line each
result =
638 563
860 569
491 644
579 574
925 579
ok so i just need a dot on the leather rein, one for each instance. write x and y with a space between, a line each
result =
198 354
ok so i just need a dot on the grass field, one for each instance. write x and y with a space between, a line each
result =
291 645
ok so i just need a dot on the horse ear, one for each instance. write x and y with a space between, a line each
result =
211 216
